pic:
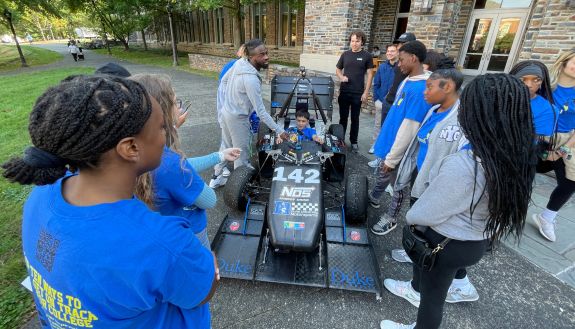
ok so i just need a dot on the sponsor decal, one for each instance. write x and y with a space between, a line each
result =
234 226
296 226
355 235
282 208
257 211
234 267
342 279
305 209
296 192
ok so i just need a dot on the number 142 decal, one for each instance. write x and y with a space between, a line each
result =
297 175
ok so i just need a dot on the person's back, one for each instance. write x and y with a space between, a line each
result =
114 265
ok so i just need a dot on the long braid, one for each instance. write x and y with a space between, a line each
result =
79 120
495 116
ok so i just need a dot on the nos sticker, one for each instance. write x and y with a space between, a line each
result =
296 226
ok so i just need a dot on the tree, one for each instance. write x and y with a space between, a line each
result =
12 10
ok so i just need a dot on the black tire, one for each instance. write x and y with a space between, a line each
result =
356 199
235 193
337 131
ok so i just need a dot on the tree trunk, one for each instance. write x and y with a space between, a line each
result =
125 43
144 40
37 21
51 33
174 49
22 59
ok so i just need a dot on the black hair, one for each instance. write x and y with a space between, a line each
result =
446 71
495 116
432 59
251 46
391 45
74 123
376 47
545 90
113 69
358 34
300 114
416 48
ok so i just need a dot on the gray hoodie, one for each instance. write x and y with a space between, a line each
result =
240 93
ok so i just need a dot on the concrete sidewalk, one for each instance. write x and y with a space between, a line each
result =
520 287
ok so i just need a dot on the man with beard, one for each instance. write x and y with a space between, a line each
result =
239 94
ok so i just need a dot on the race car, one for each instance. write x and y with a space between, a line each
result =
303 215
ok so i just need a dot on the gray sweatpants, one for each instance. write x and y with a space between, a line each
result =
235 133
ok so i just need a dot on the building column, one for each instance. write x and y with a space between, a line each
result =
327 26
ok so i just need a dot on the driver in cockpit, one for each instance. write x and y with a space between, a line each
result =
301 131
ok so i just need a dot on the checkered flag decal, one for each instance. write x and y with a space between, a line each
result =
305 207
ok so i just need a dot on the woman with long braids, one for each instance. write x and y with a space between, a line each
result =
477 195
97 256
561 157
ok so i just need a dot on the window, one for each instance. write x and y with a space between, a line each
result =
219 13
205 27
496 4
288 25
259 21
402 17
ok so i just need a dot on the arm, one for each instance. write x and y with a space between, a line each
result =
254 93
207 198
204 162
367 85
449 193
405 135
377 85
340 76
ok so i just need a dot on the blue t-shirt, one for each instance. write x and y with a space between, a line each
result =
176 187
425 131
113 265
565 100
544 116
408 104
226 69
307 133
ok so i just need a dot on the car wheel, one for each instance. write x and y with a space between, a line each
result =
355 198
235 191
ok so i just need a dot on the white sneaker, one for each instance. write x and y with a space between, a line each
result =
387 324
218 181
399 255
389 190
374 163
403 289
371 150
466 294
545 228
226 172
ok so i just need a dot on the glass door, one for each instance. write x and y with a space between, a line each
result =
492 41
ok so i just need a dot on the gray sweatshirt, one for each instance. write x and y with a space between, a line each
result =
240 93
445 204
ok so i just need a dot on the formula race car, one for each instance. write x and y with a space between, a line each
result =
303 219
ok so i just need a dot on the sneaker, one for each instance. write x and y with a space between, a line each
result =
399 255
545 228
374 163
354 148
371 150
226 172
375 203
387 324
403 289
218 181
466 294
384 226
389 190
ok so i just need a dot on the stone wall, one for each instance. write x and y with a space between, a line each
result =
456 33
287 55
551 30
383 23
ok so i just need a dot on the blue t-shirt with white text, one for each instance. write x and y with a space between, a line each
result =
408 104
113 265
565 100
176 187
425 131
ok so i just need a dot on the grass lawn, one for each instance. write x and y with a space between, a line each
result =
18 95
10 60
155 57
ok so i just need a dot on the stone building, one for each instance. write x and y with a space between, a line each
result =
481 35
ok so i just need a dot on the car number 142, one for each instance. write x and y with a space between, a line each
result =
297 175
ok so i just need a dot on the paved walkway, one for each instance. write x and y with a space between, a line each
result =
522 291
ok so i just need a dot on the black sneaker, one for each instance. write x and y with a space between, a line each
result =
354 148
373 201
384 226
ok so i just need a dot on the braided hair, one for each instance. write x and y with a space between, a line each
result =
494 119
545 90
74 123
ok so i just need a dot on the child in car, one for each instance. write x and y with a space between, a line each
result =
302 129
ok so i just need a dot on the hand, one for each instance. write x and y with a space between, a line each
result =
385 168
364 97
283 135
378 105
553 156
279 140
216 267
318 139
232 153
344 79
181 119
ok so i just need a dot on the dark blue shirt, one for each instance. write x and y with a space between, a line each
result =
544 116
425 131
383 80
565 100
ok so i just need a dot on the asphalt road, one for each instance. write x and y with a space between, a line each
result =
513 292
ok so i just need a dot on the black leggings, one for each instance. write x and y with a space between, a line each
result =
433 285
565 187
350 103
